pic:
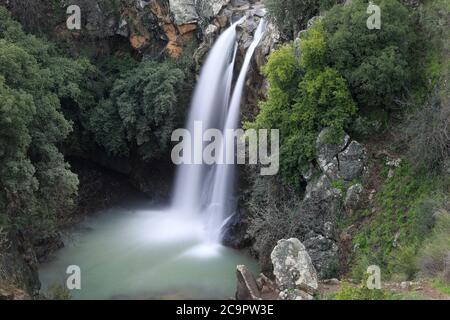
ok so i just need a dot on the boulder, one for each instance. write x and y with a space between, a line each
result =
317 218
352 162
327 153
184 11
292 266
320 207
324 254
208 9
247 289
342 161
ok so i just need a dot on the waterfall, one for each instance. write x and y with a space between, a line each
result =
207 190
221 206
208 106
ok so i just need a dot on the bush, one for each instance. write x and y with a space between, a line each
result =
36 181
378 64
141 113
426 132
291 16
305 96
434 256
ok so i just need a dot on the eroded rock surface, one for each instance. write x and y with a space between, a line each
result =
346 160
247 288
292 266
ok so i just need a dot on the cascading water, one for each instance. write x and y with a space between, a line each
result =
206 189
209 106
220 208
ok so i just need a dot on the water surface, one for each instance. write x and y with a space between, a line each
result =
129 252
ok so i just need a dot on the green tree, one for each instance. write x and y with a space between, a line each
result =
305 96
141 112
378 64
36 182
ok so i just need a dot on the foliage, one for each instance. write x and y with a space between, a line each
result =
305 96
36 181
349 291
434 256
392 237
141 112
426 131
378 64
434 22
58 292
291 16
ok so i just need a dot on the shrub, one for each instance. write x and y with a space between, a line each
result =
426 132
36 181
305 96
58 292
141 113
378 64
434 256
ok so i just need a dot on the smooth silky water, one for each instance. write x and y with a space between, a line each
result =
175 253
129 252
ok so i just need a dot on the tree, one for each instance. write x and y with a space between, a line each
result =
36 182
141 112
305 96
378 64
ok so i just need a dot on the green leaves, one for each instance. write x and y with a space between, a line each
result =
305 96
36 181
141 113
378 64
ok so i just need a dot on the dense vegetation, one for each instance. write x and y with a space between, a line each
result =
36 182
390 84
48 101
338 66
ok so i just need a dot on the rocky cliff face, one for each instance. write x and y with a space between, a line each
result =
18 267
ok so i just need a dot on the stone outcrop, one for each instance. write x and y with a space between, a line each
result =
247 288
317 218
184 11
322 204
342 161
292 266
